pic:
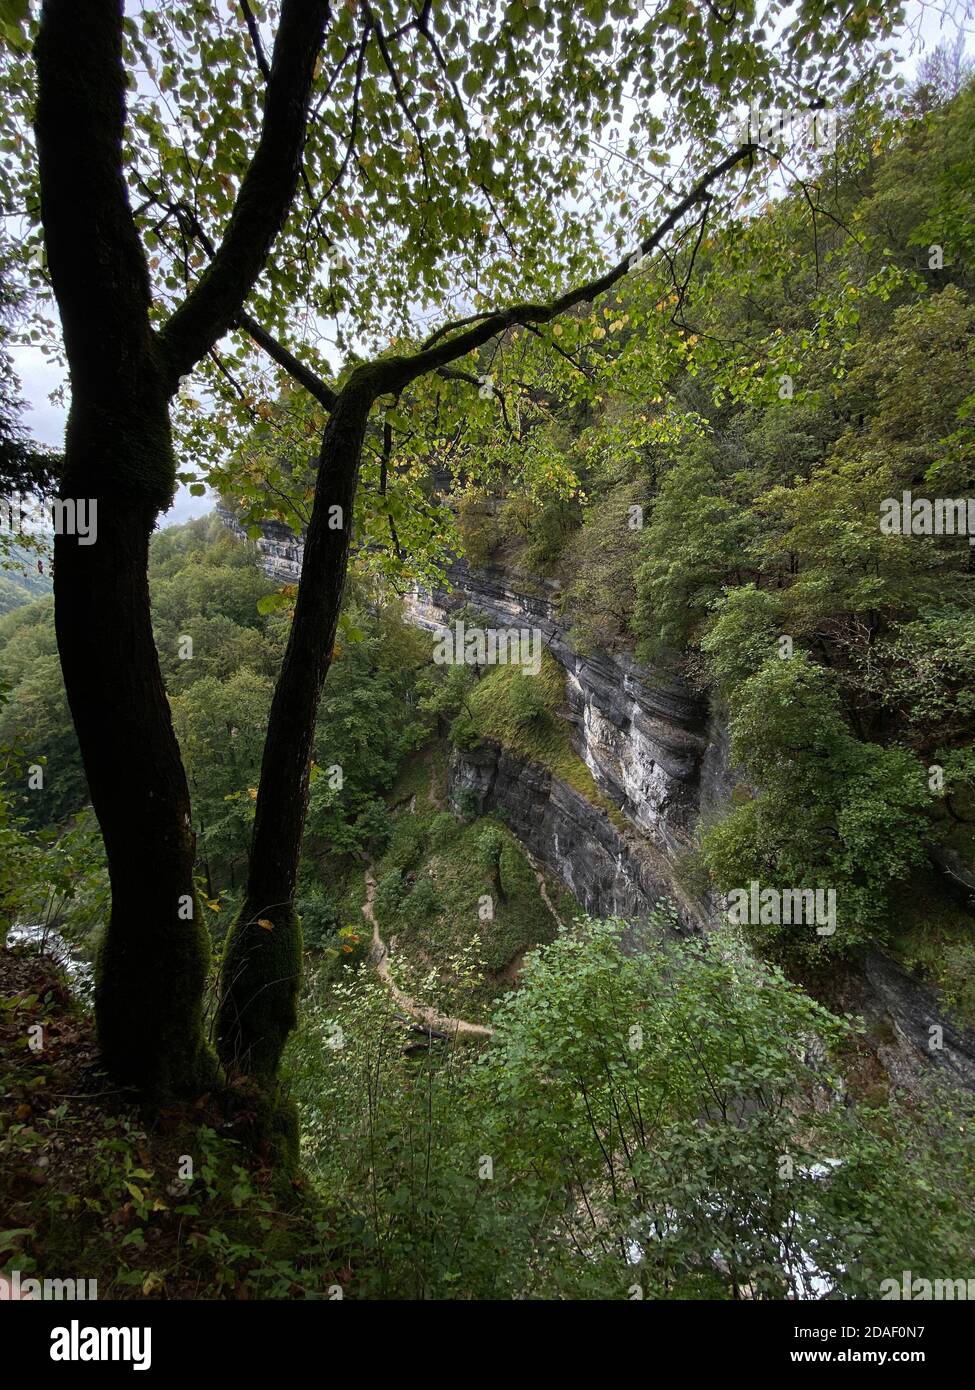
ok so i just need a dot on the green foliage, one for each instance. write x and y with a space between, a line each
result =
443 828
319 919
432 906
478 528
828 812
423 901
488 845
35 717
828 368
368 723
390 891
602 557
639 1121
697 544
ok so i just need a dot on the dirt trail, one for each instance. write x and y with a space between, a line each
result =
540 880
429 1017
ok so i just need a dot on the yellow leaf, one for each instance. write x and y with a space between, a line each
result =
265 923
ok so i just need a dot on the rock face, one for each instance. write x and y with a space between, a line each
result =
644 738
920 1028
612 873
280 549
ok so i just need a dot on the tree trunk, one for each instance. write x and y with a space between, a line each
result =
155 953
262 964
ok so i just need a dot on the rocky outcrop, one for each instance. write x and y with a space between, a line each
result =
280 549
611 872
642 736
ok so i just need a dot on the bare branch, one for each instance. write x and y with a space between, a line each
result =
305 377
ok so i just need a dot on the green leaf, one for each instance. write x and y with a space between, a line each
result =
273 603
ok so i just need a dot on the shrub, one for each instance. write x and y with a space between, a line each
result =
318 920
442 830
424 900
389 893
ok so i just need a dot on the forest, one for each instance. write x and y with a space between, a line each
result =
516 840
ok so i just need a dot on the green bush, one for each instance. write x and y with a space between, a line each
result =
527 699
423 902
443 828
390 891
319 919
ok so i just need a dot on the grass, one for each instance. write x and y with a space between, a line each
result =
498 710
933 937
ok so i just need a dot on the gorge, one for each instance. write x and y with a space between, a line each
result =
661 756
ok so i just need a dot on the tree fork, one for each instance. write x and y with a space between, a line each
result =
155 954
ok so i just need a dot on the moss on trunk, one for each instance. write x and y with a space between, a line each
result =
261 979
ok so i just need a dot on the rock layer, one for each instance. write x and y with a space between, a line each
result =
612 873
643 737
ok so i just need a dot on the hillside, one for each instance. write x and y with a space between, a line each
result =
518 843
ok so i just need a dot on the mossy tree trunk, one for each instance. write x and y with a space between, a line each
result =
262 963
118 458
118 455
154 956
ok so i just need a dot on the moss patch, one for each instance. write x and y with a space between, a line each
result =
431 884
533 728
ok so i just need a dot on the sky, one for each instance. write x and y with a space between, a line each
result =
41 379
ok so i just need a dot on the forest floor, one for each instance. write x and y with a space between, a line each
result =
170 1206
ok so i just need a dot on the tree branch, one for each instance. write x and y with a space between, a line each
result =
394 373
305 377
264 197
255 33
